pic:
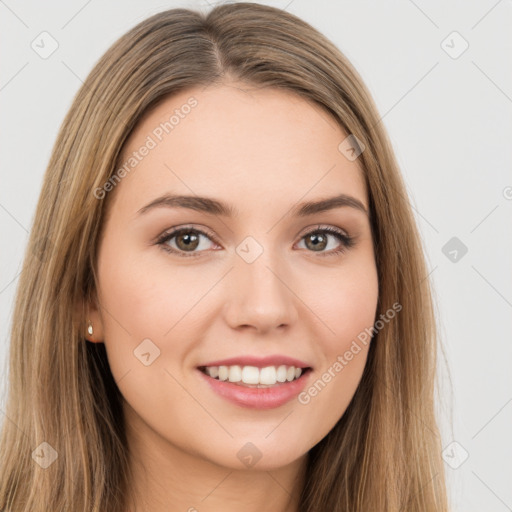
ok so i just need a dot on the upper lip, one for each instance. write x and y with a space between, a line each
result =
259 362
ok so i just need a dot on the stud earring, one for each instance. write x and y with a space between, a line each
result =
89 329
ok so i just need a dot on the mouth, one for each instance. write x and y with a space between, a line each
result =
255 377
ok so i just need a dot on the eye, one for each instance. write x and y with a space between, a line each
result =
187 239
318 239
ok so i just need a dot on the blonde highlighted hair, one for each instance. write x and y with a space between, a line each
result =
384 454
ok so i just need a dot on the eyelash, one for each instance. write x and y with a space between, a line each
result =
346 241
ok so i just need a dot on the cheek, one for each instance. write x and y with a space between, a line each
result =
352 309
141 302
144 297
132 310
345 302
352 314
347 308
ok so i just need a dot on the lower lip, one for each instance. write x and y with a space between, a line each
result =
258 398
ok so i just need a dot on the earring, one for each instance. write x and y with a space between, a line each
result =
89 329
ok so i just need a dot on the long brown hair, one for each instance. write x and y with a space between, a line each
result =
384 454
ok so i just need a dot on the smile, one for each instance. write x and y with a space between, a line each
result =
253 376
267 393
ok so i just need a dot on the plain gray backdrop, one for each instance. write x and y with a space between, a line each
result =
440 75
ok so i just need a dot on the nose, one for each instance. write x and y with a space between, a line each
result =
259 296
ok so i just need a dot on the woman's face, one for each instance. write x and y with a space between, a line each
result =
258 277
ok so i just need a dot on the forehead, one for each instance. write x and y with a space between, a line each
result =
253 146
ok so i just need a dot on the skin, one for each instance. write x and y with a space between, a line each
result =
263 152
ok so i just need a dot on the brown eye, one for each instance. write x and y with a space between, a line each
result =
318 241
185 241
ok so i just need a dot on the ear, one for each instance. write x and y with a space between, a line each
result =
90 315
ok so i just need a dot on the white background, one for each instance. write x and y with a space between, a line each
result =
450 122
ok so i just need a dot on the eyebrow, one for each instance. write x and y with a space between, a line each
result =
215 207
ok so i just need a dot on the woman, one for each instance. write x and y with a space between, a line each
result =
223 304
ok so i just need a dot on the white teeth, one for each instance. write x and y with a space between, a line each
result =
253 375
268 375
281 373
223 372
235 374
213 371
250 375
